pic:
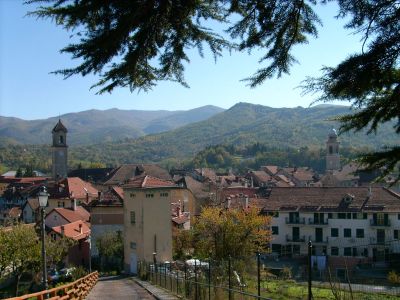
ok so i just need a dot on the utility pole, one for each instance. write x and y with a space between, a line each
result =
309 270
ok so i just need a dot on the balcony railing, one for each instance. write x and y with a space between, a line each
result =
319 241
295 220
380 241
312 221
380 223
295 239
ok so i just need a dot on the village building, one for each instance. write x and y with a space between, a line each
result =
346 225
106 213
148 224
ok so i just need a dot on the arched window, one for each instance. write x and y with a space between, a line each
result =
330 149
61 139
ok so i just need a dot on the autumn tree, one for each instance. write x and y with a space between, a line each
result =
236 233
136 44
111 250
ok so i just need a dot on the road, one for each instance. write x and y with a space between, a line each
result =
118 288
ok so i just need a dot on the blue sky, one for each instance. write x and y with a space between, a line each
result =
29 51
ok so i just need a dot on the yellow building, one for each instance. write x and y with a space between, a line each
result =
147 219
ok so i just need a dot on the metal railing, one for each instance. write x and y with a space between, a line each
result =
295 220
379 223
295 239
312 221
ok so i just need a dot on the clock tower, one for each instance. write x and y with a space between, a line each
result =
59 151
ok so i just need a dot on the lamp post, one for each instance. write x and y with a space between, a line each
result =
43 197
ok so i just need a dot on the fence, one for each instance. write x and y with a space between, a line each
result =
272 277
78 289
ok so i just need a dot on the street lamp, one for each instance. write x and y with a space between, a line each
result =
43 197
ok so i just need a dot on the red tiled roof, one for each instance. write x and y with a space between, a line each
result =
182 219
78 188
76 230
126 172
149 182
272 170
331 199
14 212
73 215
119 191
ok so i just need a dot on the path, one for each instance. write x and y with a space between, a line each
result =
118 288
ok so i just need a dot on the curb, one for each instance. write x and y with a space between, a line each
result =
139 282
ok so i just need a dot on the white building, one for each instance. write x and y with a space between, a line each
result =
348 225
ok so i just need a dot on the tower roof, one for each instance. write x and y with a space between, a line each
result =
333 133
59 127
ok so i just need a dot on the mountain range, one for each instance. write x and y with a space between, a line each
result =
96 126
243 124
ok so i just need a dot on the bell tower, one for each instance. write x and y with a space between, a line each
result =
332 152
59 151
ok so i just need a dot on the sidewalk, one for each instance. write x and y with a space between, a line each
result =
157 292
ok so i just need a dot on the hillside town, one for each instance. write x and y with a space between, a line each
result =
351 219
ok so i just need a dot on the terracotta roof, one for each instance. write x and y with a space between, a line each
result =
33 203
182 219
126 172
149 182
240 192
73 215
261 176
110 196
59 127
347 172
119 191
14 212
76 230
272 170
78 188
332 199
207 173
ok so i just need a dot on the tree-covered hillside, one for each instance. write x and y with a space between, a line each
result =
280 130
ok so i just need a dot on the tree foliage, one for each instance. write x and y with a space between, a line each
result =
217 233
138 43
111 250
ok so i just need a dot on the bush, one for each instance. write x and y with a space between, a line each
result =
286 273
393 277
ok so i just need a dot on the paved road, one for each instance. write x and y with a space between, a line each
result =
118 288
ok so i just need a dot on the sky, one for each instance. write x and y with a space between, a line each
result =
29 51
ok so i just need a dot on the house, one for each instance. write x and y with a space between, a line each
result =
62 216
63 192
124 173
106 213
10 216
147 219
259 178
31 211
79 231
347 225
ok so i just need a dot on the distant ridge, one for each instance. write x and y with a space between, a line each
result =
96 126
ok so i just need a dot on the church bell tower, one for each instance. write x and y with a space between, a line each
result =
332 152
59 151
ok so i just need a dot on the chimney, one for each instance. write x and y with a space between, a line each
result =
73 204
80 228
246 201
178 211
62 229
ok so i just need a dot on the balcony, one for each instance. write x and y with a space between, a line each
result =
380 223
377 241
295 221
319 241
312 221
295 239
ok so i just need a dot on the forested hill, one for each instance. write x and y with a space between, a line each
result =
241 125
97 126
246 124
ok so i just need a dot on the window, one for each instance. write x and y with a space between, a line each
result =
274 214
360 233
334 232
355 216
330 215
163 194
348 216
398 217
61 139
133 195
149 195
275 230
334 251
365 252
341 216
354 251
365 216
396 234
133 217
133 245
347 251
347 232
